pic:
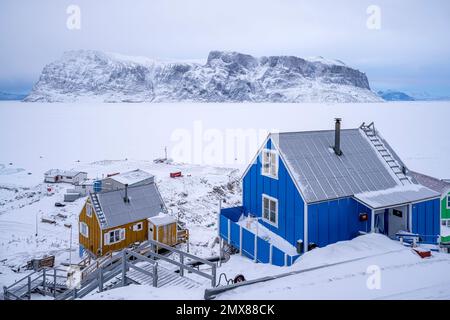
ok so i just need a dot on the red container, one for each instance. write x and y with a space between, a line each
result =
112 174
423 254
175 174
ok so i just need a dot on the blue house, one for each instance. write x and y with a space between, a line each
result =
310 189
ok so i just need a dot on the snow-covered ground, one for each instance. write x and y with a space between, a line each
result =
194 198
372 267
37 137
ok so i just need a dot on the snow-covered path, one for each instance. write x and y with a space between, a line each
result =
403 274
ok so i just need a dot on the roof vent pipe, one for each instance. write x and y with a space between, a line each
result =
337 137
125 199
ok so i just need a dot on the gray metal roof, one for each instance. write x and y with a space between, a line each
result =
430 182
145 202
322 175
396 196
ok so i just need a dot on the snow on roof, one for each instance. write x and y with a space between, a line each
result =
58 172
430 182
322 175
132 177
398 195
161 220
145 202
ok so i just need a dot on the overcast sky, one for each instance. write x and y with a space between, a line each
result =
411 50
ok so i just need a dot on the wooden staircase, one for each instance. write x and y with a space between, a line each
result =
166 277
139 265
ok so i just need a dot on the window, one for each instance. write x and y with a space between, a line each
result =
114 236
397 213
448 201
88 210
138 226
84 229
270 163
445 223
270 210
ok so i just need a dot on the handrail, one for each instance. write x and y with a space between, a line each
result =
18 281
139 256
181 265
169 248
32 281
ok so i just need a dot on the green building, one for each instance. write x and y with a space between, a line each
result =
443 187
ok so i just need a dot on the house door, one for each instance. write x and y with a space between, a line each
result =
151 230
397 221
382 221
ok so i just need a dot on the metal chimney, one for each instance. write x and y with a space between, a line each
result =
337 137
125 199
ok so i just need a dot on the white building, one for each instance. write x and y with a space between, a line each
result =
69 176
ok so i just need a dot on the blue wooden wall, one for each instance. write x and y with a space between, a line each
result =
337 220
426 220
290 203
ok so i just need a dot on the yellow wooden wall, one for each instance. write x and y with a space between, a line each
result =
130 236
166 234
93 242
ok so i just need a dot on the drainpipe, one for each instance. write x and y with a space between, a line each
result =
372 221
305 228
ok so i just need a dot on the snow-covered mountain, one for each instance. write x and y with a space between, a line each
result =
392 95
225 77
11 96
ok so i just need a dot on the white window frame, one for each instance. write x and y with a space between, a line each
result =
265 196
448 201
89 210
271 164
121 236
138 226
84 233
445 222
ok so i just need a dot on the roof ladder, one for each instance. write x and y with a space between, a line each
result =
98 209
380 147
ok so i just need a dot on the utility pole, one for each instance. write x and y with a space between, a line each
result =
218 233
165 153
36 234
69 225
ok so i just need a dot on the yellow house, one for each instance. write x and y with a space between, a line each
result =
114 220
